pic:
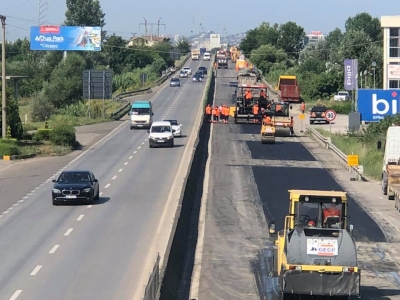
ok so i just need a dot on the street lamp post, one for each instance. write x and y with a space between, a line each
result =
374 67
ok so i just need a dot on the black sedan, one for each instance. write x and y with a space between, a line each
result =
203 69
200 74
74 186
197 78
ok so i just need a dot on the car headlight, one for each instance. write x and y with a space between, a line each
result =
56 191
87 190
170 137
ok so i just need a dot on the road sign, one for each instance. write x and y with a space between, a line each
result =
330 115
352 160
302 116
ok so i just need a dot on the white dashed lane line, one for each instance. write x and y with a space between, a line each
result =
101 194
120 170
107 186
68 232
54 249
130 157
89 206
80 217
126 163
139 147
36 270
15 295
115 177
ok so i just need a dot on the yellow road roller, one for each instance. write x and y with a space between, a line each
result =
267 133
315 254
280 117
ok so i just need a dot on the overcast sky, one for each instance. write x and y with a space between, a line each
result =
184 16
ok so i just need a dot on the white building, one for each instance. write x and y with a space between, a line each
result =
177 38
313 37
215 41
391 52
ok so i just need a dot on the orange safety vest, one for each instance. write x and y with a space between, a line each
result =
208 110
217 111
248 95
255 109
226 109
331 212
213 112
278 107
267 119
303 106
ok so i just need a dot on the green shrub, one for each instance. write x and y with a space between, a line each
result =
8 149
9 141
42 135
342 108
63 135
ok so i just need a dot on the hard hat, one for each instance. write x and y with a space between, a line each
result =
311 223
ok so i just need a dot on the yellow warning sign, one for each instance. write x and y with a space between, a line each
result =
302 116
352 160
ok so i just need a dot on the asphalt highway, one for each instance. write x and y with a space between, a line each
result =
97 252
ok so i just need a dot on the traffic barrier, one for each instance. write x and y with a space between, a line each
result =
355 172
174 223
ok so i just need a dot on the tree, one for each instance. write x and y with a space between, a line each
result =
184 45
164 49
364 21
291 38
266 56
85 13
262 35
116 53
13 118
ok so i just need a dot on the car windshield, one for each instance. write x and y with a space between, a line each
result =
175 79
140 111
319 108
173 122
73 177
160 129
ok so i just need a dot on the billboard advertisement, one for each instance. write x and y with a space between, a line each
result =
350 74
65 38
393 71
215 41
375 105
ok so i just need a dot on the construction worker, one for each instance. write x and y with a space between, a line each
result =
278 107
214 115
222 113
226 114
267 119
208 112
255 112
311 224
248 95
291 125
331 212
263 94
303 107
218 115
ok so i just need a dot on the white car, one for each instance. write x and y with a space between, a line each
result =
161 134
175 126
183 74
187 70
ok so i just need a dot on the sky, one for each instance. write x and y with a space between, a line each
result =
185 17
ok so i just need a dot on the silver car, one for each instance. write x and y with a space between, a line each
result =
183 74
175 82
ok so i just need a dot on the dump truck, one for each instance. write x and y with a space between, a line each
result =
391 164
234 52
267 133
315 253
280 116
289 88
243 109
241 64
195 54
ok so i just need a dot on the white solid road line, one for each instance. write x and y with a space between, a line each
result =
15 295
120 170
68 232
80 217
54 249
36 270
115 177
107 186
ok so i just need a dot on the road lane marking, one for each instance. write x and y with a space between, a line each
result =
20 201
101 194
89 206
120 170
15 204
134 152
107 186
6 212
145 140
15 295
125 163
143 143
36 270
26 197
68 232
80 217
139 147
114 177
130 157
54 249
29 194
10 208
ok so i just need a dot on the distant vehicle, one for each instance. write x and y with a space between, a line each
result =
175 82
183 74
207 56
199 74
75 186
175 126
161 134
317 114
187 70
195 54
203 69
289 87
203 50
141 114
197 78
342 96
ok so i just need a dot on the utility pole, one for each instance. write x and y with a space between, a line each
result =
3 79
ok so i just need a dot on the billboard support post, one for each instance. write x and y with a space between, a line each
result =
3 80
89 94
104 86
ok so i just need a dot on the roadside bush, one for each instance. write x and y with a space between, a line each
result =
42 135
343 108
8 149
9 141
63 135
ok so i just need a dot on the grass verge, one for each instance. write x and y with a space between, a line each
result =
369 157
42 149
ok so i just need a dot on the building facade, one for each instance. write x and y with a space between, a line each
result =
391 52
215 41
313 37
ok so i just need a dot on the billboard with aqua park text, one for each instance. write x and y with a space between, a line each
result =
65 38
375 105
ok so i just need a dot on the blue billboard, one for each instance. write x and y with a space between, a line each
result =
65 38
375 105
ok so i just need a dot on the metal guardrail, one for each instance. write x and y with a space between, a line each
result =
355 172
153 287
148 90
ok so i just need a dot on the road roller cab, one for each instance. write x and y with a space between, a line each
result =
280 116
267 133
315 253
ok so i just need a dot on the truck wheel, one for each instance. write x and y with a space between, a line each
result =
311 122
384 186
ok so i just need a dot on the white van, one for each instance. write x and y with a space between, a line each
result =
207 56
161 134
141 114
392 153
